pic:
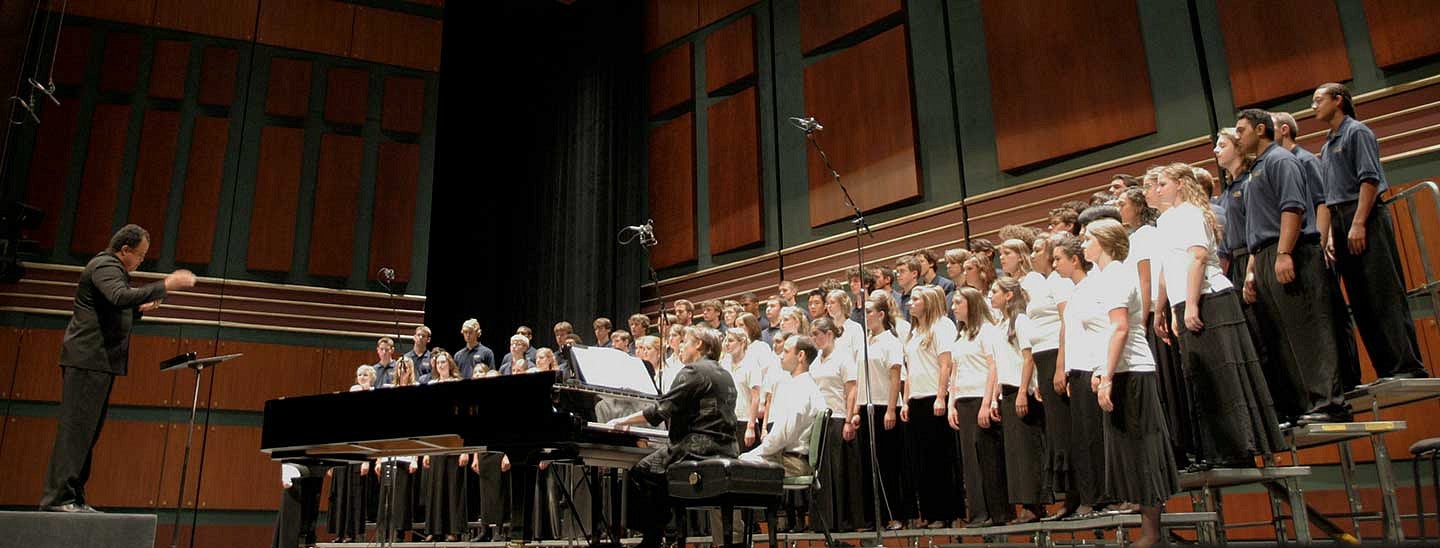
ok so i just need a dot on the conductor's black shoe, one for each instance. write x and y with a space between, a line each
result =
70 508
1411 374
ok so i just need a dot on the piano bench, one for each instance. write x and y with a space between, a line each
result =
726 484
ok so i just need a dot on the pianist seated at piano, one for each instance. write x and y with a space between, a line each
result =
700 408
364 378
442 368
517 361
797 400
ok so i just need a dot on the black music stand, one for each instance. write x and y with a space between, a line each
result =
189 360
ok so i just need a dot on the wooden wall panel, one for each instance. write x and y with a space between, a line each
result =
127 464
666 20
234 468
225 18
734 158
1106 103
347 95
138 12
175 457
277 184
403 107
672 191
37 371
1281 48
225 536
73 54
217 76
145 384
715 10
9 338
168 70
396 38
864 93
824 21
332 233
324 26
266 371
730 53
95 211
121 67
1402 30
49 167
669 80
28 443
150 193
392 228
287 90
339 369
208 143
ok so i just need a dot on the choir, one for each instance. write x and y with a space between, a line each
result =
1174 322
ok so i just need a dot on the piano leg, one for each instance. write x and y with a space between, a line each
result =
617 513
566 489
597 513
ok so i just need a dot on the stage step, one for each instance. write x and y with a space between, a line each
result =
60 530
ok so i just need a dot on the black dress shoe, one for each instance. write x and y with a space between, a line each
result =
1324 417
70 508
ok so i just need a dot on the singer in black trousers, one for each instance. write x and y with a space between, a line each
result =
95 350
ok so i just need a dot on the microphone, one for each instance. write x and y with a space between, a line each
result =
647 233
807 124
387 273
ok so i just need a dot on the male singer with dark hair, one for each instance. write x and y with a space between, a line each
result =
701 409
96 349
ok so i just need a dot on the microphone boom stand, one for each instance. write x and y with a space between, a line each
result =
860 225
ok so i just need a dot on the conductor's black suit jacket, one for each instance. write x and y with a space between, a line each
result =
98 337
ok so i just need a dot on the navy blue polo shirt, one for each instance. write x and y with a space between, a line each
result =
468 358
1314 181
1233 200
1351 157
1277 184
421 361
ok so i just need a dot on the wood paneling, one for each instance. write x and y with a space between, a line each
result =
168 70
73 54
175 456
864 93
672 191
208 143
287 90
217 76
127 464
121 66
234 468
396 38
666 20
669 79
50 165
37 371
347 95
339 370
730 53
715 10
150 193
734 158
403 108
224 536
824 21
392 228
1280 48
266 371
9 338
332 232
98 186
138 12
145 384
324 26
1038 118
277 185
28 443
1402 30
225 18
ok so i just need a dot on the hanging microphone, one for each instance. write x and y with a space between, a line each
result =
806 124
387 273
647 233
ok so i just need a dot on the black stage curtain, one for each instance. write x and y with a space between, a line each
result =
538 165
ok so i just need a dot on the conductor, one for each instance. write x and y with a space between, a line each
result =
95 350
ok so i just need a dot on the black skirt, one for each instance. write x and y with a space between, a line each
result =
1234 415
348 493
395 512
1025 475
986 492
1087 442
1139 466
932 455
445 491
1174 398
841 497
896 497
1059 467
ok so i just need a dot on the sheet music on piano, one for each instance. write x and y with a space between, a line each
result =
611 368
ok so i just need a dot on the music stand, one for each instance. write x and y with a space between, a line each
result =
189 360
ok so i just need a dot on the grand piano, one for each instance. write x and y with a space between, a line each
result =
531 417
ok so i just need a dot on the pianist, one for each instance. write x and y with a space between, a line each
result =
700 407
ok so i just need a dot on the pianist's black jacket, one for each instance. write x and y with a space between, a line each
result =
98 337
701 409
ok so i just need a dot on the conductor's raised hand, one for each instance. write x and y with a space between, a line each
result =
180 279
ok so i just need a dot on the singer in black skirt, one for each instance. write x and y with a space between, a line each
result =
445 504
887 359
